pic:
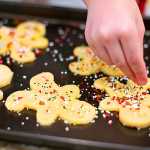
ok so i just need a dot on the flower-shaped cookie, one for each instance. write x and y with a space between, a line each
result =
87 63
130 100
51 101
20 41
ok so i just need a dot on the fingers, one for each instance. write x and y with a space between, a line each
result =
133 50
99 50
117 56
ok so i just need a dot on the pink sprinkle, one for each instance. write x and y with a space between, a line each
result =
110 122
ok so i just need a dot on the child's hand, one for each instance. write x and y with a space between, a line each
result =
115 30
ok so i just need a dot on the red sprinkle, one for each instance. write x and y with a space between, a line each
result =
38 52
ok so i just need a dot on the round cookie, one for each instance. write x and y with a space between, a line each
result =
137 118
108 104
44 84
5 75
46 116
77 112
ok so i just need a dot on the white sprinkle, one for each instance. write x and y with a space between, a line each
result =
145 45
65 72
104 116
67 129
47 49
66 122
92 86
146 58
24 77
27 118
46 64
61 31
147 33
55 51
138 129
55 60
110 122
19 114
21 84
37 125
93 121
8 128
51 44
147 71
21 65
73 81
22 123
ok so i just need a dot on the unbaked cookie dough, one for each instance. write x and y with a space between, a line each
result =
130 100
51 101
20 42
87 63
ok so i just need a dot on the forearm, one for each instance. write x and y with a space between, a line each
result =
141 3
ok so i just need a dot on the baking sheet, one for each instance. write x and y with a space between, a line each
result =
63 37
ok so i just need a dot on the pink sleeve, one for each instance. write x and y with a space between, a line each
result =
141 4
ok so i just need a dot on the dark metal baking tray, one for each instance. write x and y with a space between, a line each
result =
99 135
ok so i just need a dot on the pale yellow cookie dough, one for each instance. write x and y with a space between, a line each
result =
46 116
1 94
17 101
50 100
70 91
138 118
22 54
40 42
78 112
5 76
87 63
44 84
108 104
20 42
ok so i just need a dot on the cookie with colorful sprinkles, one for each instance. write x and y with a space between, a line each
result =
51 101
87 63
129 100
19 42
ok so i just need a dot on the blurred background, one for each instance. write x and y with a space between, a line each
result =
79 4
